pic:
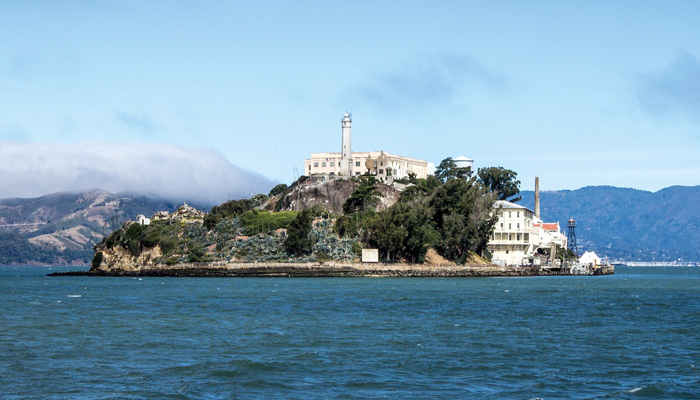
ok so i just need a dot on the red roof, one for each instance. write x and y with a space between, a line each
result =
548 226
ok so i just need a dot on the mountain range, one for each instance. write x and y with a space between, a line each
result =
62 228
628 224
623 224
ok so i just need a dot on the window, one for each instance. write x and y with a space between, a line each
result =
518 237
517 214
316 164
501 225
518 225
381 171
357 163
508 214
357 173
509 226
332 173
332 164
323 164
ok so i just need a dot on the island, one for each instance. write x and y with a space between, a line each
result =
437 226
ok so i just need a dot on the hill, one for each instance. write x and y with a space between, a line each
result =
62 228
628 224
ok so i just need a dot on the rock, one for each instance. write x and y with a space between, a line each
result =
331 195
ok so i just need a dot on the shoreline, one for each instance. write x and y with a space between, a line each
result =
331 270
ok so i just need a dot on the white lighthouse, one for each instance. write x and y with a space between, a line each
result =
346 153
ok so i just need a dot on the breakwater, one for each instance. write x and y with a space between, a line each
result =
331 270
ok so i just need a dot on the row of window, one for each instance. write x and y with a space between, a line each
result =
511 236
527 214
332 164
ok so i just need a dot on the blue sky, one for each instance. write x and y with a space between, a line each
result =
577 93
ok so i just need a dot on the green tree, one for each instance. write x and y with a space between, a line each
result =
415 219
230 208
386 234
298 241
364 198
448 170
278 189
502 181
462 215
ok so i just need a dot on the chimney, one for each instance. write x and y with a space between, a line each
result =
537 196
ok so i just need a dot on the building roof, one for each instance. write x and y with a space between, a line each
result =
462 158
548 226
507 204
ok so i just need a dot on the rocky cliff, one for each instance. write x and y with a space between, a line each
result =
331 195
117 258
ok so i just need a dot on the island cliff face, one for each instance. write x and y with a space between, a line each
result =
117 258
331 195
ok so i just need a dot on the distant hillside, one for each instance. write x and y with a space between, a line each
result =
62 228
628 224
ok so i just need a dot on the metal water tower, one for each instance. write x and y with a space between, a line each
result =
572 236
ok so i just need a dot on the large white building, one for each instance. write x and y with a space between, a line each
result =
384 165
519 233
514 237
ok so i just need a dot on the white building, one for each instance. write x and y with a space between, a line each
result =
384 165
519 233
514 237
550 234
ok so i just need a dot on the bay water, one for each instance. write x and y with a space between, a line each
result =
632 335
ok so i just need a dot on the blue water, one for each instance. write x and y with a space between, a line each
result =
634 335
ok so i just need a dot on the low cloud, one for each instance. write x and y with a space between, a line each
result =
674 90
178 173
428 82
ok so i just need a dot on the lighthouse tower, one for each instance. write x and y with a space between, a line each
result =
346 154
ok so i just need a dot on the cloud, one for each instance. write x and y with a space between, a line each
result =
674 90
428 82
178 173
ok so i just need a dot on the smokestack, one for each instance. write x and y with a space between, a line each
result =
537 196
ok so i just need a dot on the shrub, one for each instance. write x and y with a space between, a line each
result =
97 260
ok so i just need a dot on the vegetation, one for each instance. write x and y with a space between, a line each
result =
450 212
365 196
231 208
448 170
257 221
298 241
501 181
135 237
278 189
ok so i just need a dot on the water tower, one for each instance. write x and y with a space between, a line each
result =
464 162
572 236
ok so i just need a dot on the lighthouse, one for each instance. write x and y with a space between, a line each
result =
346 153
